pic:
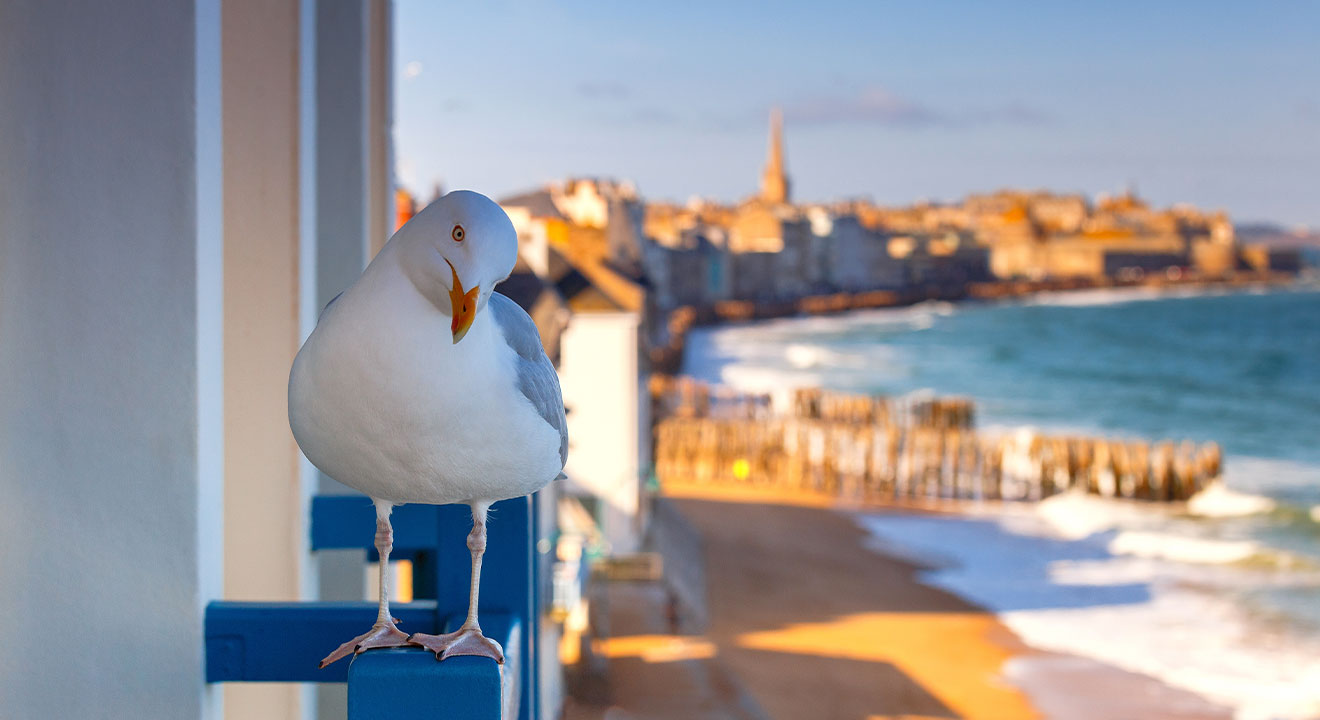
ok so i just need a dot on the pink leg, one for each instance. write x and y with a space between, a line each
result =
467 640
382 634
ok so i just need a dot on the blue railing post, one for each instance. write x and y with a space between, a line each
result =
281 642
508 578
399 683
410 683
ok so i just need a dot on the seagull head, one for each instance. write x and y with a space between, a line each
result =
456 251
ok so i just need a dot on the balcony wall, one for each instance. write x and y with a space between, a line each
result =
110 356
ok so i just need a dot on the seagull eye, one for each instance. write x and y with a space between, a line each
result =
457 233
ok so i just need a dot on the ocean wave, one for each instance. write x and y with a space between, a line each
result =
1121 295
1076 515
1168 620
1219 501
1180 548
749 378
806 356
1189 640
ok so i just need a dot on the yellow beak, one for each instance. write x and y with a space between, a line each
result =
464 306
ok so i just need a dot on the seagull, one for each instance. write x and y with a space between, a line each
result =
421 384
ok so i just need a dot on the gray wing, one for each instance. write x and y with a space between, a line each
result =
536 374
326 309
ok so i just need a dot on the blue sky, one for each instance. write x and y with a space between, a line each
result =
1213 103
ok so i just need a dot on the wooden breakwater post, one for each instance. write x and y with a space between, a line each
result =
860 447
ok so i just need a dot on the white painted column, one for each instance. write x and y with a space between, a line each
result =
111 379
266 517
380 124
341 145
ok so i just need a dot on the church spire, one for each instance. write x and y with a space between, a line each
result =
774 181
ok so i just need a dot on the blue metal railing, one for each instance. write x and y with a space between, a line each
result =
282 642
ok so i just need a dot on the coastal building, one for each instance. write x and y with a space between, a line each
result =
589 201
539 224
955 259
405 206
1265 258
853 258
602 373
693 271
580 248
774 179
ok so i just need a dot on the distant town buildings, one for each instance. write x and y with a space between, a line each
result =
768 249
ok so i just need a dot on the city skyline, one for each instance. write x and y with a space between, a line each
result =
1214 105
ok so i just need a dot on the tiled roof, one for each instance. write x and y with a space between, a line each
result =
538 203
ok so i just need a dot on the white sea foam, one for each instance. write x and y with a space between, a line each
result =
804 356
1076 515
1189 640
1218 501
1315 514
1180 548
1138 612
749 378
1118 296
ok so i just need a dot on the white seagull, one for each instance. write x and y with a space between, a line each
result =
421 384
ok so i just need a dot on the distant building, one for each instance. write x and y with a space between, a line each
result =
601 370
855 258
774 180
405 206
577 247
539 224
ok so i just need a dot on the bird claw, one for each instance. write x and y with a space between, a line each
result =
381 635
465 641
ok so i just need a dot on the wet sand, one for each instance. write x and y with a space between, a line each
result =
813 624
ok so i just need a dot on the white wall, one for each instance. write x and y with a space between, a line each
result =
266 519
110 356
380 123
599 376
533 240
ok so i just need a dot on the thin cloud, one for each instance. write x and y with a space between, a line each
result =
603 90
647 115
1012 113
873 106
653 116
877 106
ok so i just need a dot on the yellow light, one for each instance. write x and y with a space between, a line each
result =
741 468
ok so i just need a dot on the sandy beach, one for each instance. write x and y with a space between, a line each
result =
806 621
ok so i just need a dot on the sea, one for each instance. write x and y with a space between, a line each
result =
1220 596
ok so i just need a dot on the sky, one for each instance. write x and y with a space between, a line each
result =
1212 103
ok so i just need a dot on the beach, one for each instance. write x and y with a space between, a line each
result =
808 620
816 625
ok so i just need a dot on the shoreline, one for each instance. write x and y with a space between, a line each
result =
1158 608
668 358
933 652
